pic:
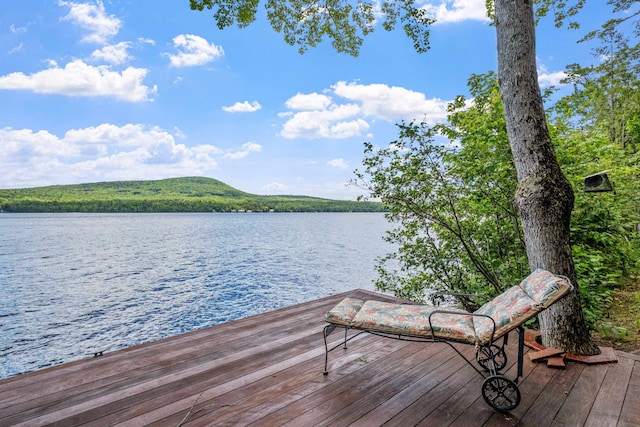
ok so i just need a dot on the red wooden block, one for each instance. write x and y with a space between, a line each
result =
556 362
538 356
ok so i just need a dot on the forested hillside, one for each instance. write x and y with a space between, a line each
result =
191 194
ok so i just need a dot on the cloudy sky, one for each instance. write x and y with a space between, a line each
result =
138 89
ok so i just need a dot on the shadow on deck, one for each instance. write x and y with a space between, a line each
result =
267 370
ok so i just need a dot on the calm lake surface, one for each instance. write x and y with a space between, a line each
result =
75 284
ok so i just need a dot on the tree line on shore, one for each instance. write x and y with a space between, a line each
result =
189 194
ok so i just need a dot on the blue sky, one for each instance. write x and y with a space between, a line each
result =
138 89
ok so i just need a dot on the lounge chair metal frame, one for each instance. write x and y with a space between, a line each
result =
500 392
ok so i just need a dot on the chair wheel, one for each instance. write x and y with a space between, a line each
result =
486 354
500 393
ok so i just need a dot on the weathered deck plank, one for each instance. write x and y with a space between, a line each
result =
630 413
608 403
267 370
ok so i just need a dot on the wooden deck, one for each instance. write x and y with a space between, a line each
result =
266 370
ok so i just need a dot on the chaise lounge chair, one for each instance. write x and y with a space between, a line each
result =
482 328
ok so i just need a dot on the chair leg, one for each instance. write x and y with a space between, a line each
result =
345 338
325 333
520 352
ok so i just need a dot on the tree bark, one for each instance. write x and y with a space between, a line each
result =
544 196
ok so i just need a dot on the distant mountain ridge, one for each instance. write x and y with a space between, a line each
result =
188 194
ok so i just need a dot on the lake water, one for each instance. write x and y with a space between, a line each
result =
75 284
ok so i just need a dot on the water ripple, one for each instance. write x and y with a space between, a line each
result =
76 284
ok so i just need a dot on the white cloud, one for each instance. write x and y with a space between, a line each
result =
193 50
243 107
447 11
339 163
311 101
178 132
80 79
551 79
131 134
320 124
113 54
247 148
17 30
546 78
351 128
274 187
322 116
16 49
93 18
146 41
102 153
392 102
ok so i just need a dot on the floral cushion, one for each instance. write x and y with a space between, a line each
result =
508 310
545 287
343 313
410 319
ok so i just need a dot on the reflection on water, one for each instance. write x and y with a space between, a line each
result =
76 284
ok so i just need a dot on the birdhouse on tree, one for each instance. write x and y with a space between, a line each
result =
597 183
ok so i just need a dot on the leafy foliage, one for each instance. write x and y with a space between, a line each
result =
304 23
458 231
563 11
458 228
595 128
191 194
603 228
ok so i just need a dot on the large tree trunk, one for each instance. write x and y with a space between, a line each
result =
544 196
